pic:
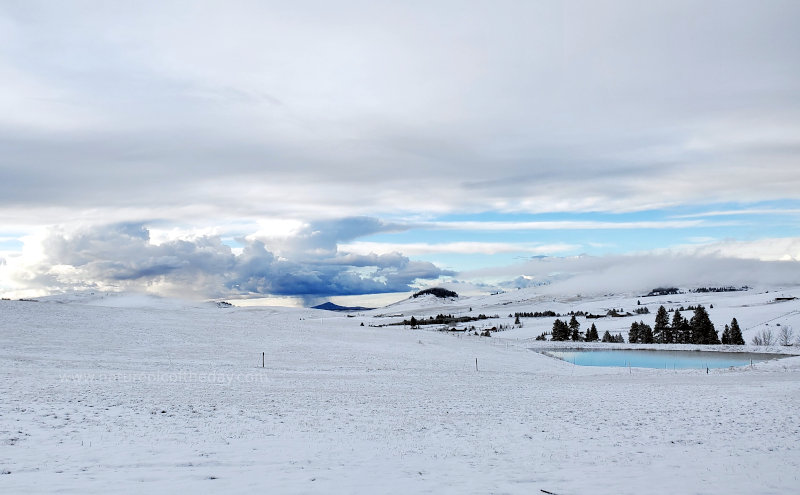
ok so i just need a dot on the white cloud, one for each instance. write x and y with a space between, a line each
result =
750 211
775 249
420 248
572 225
769 262
262 109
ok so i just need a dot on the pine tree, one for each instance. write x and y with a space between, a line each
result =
662 333
680 328
736 333
703 331
591 334
560 331
633 333
726 335
575 329
607 337
645 333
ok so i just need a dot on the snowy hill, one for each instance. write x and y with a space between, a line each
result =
125 394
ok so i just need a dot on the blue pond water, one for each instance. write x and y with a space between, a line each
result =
658 359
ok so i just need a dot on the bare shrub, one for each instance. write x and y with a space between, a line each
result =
785 335
764 337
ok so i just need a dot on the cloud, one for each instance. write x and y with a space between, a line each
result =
770 249
321 238
573 225
262 110
299 123
751 211
122 256
521 282
461 247
642 272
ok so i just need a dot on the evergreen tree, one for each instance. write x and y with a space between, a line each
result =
645 333
736 333
633 333
703 331
726 335
575 329
591 334
560 331
662 333
680 328
607 337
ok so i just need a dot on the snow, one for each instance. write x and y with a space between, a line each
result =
159 396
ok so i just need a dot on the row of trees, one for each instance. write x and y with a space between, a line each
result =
572 331
697 330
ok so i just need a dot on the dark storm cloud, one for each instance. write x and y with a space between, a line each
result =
320 238
122 255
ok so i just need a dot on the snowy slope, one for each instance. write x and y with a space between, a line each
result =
160 398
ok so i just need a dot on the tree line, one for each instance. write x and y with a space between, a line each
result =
697 330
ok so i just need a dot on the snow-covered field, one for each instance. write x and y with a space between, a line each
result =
122 394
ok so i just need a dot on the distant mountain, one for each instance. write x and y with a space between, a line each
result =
329 306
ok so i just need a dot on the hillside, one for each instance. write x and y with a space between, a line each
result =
99 398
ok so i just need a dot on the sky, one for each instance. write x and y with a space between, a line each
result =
326 149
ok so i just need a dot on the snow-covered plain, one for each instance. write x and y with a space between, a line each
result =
121 394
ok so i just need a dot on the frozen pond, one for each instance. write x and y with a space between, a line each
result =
659 359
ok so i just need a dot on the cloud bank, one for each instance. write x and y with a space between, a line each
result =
263 109
642 272
122 256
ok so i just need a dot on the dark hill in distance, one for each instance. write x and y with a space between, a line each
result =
329 306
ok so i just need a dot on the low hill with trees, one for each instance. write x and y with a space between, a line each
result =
436 291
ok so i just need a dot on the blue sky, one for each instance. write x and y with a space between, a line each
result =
315 150
596 233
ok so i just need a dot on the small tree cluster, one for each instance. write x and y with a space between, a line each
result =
591 334
537 314
732 334
561 331
607 337
640 333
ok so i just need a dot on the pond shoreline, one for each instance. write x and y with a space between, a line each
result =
658 358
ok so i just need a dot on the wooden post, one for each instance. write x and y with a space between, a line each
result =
262 359
476 364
